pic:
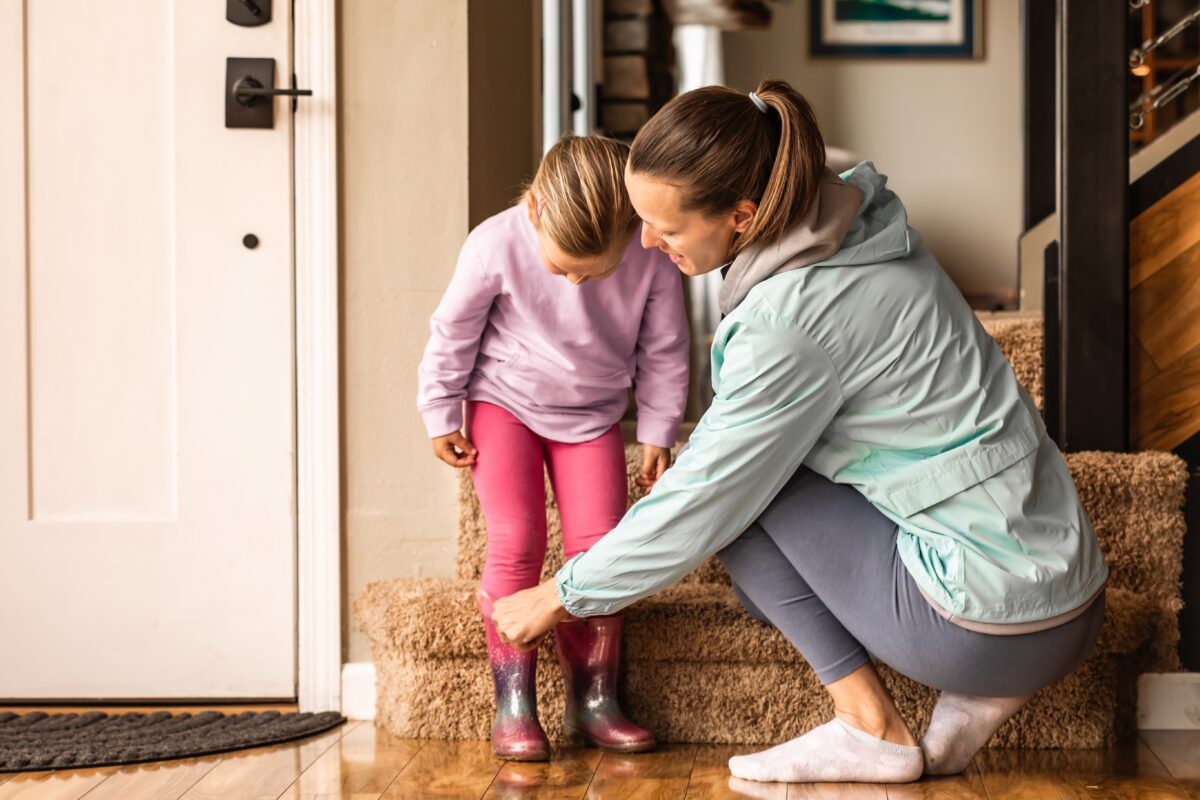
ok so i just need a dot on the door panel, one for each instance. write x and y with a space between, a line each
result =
146 362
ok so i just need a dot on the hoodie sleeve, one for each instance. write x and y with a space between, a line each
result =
456 327
776 392
662 360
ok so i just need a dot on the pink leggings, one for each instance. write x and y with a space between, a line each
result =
589 484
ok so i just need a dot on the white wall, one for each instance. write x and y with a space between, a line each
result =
947 133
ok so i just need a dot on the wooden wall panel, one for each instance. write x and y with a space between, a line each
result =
1164 320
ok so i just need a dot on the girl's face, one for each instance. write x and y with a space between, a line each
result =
577 269
695 241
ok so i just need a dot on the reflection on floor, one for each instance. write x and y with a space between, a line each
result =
362 762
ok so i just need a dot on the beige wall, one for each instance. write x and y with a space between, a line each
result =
947 133
420 162
403 89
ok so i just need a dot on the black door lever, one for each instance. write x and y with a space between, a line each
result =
247 80
247 90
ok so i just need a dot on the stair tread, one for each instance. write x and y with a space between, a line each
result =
437 619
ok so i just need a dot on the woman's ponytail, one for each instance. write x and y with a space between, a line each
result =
720 147
799 160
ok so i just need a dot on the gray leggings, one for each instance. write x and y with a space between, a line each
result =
821 565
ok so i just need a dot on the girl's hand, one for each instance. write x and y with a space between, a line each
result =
655 461
454 449
523 619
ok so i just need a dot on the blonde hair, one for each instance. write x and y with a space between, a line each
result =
579 195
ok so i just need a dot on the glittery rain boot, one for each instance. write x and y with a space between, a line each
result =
516 733
589 652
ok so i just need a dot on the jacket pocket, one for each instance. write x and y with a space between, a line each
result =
953 471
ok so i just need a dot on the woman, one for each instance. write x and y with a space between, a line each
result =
870 472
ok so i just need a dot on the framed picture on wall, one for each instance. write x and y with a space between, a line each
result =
897 28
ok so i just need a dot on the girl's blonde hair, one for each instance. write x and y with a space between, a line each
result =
579 195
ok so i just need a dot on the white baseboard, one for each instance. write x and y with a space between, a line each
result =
1169 701
358 690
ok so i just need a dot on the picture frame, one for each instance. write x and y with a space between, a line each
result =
896 28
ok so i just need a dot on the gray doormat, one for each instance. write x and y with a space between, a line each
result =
38 741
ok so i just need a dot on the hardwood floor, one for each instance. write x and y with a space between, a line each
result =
361 762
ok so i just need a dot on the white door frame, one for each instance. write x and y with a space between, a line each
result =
318 496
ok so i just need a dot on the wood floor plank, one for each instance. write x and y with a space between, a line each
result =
566 776
659 775
263 773
966 786
1132 771
161 780
711 779
360 766
54 784
1179 752
1127 770
1025 775
446 769
832 791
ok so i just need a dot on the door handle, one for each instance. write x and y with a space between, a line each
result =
247 80
247 90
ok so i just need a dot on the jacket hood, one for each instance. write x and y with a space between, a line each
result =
855 220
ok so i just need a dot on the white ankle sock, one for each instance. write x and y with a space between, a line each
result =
831 752
962 724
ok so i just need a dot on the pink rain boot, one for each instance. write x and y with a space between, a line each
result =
589 652
516 733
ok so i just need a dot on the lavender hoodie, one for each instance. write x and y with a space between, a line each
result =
560 357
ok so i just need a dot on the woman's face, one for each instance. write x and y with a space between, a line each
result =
695 241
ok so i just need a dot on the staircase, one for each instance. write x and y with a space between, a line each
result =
699 669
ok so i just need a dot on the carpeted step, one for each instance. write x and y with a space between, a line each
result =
434 680
726 703
441 623
1020 335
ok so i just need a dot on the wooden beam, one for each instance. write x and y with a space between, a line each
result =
1039 53
1090 371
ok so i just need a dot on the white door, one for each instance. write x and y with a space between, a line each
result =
146 360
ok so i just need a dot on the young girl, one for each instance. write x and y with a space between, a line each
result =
551 316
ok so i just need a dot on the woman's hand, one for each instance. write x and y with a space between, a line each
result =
454 449
655 461
523 619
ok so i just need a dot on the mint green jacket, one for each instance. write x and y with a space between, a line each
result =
869 368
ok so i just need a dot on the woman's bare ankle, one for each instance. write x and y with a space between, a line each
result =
890 728
862 701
